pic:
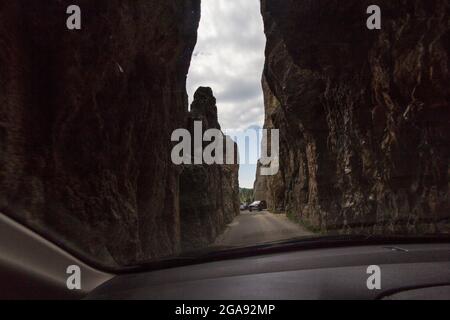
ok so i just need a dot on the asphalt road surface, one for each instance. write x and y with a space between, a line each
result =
252 228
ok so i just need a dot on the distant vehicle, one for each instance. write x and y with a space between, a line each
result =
244 206
258 205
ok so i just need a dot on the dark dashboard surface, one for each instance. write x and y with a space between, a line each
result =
338 273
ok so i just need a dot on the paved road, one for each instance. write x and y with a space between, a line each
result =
258 227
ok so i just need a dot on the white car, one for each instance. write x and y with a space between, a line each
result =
258 205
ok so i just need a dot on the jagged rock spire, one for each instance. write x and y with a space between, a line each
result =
204 108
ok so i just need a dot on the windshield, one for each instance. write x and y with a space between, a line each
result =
147 131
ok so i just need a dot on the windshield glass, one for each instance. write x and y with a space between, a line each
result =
155 129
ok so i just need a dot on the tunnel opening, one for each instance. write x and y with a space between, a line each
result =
225 93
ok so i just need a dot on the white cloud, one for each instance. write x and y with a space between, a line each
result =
229 58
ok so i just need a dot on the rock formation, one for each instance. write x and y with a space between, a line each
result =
209 194
262 187
86 118
363 114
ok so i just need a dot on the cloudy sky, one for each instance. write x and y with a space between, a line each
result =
229 58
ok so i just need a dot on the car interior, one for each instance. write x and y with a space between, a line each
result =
247 154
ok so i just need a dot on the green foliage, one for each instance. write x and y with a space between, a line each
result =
246 195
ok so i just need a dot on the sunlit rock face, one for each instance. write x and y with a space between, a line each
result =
209 194
264 186
86 118
363 114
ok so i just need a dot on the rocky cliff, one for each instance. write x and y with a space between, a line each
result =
264 186
86 118
209 194
363 114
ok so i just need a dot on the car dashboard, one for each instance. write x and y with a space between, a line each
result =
407 271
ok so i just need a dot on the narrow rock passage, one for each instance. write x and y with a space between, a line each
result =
259 227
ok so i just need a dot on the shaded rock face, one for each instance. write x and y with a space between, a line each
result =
209 194
363 115
86 118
